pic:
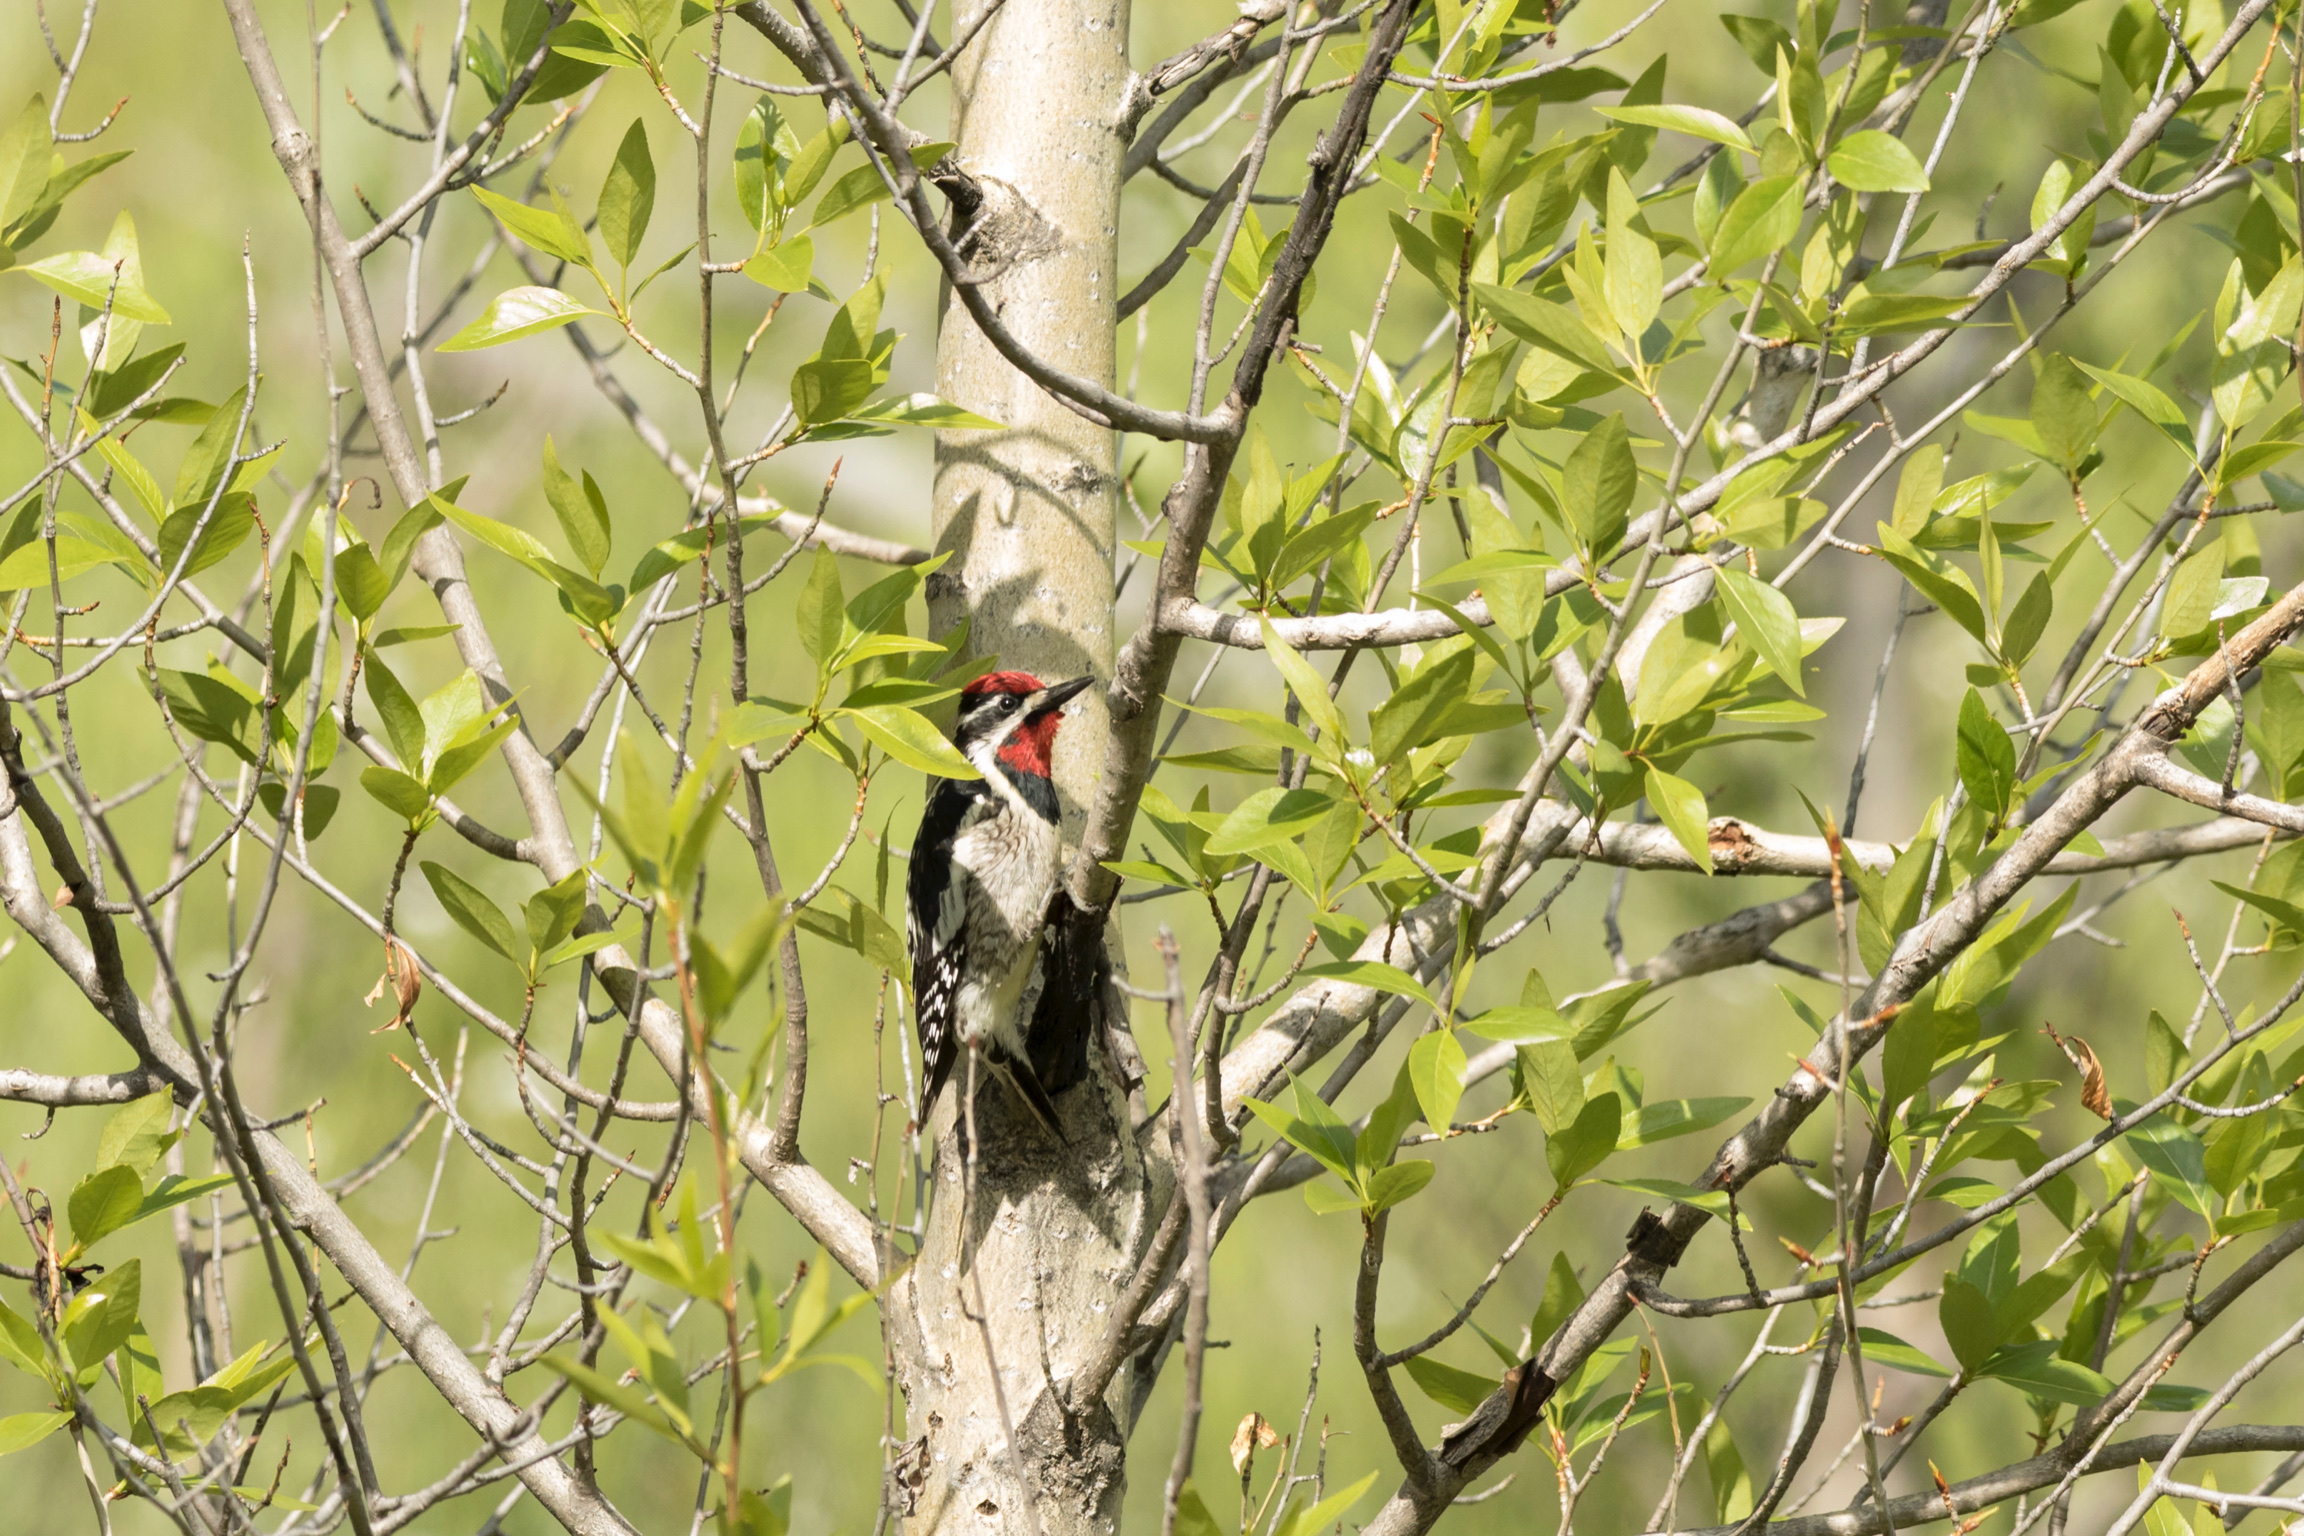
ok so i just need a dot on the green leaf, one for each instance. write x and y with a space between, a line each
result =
210 457
137 1133
1937 579
402 717
547 231
763 145
582 510
855 191
1436 1064
850 922
1455 1390
2028 620
1634 271
2176 1156
1309 687
922 409
468 753
1765 616
585 598
1520 1024
1965 1314
1388 1187
402 794
600 1388
1374 974
174 1189
2192 592
472 910
1764 218
91 279
1316 1129
2146 401
104 1202
22 1431
627 198
909 737
813 160
668 555
1551 327
1884 1348
786 267
515 313
1986 757
211 710
2063 415
24 151
1696 122
1680 806
229 524
20 1343
1667 1118
1268 817
1548 1077
821 610
1713 1200
101 1318
1916 488
1589 1141
1871 161
1731 1483
828 388
1192 1517
1598 482
1325 1513
2035 1370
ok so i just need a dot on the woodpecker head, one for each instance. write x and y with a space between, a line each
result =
1013 717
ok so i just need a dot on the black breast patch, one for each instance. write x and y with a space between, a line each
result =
1037 791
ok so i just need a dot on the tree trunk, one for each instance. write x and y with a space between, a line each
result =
1022 1265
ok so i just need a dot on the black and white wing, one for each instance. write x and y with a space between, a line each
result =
936 925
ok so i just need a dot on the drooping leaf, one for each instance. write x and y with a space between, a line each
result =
1986 757
1598 483
473 911
1436 1065
1680 806
581 509
1767 617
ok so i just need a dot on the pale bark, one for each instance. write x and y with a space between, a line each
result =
1001 1309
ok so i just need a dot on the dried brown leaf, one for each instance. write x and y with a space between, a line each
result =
2094 1097
402 979
1255 1430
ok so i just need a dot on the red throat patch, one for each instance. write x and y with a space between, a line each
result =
1029 748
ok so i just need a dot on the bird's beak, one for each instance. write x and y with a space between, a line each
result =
1054 697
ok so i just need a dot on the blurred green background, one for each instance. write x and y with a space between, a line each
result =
202 186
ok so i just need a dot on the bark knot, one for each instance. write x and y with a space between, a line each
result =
1005 230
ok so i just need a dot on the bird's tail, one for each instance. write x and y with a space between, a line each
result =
1018 1071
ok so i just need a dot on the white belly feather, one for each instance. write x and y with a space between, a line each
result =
1014 860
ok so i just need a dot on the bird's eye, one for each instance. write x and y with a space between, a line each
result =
1008 702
